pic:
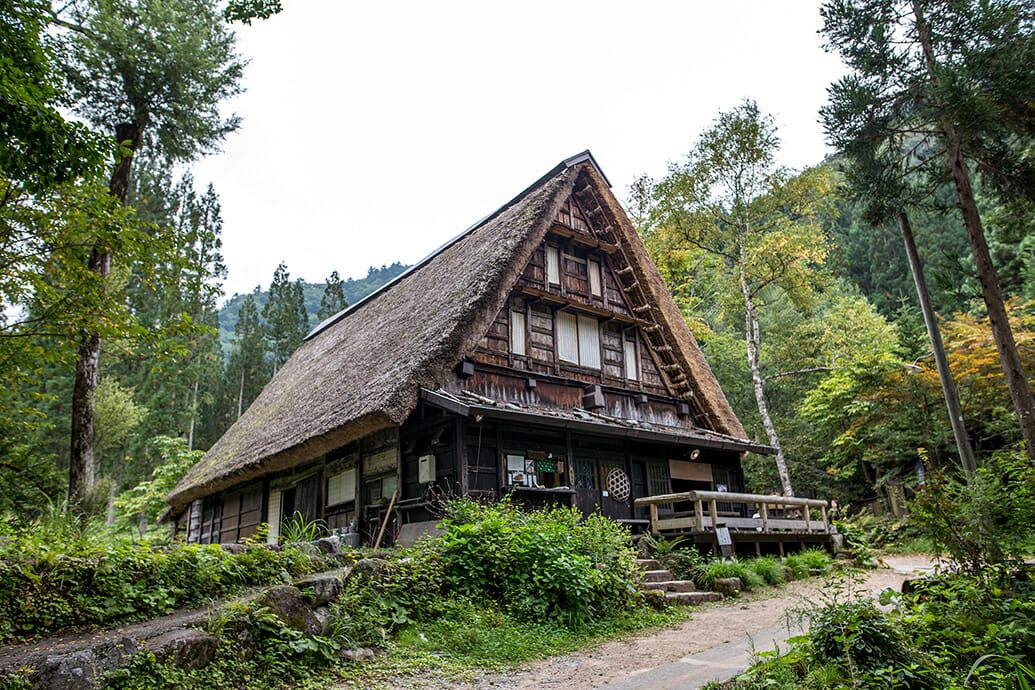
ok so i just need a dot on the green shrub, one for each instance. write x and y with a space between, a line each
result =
705 575
808 563
547 564
770 569
674 554
856 634
47 586
987 521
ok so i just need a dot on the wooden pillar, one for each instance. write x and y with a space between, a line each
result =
808 518
714 512
699 514
654 519
764 512
826 523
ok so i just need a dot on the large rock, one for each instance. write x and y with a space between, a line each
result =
321 589
286 603
187 649
373 570
85 669
727 586
329 545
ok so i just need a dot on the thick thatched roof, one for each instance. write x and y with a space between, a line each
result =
363 370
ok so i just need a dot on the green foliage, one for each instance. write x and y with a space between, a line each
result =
956 631
705 575
117 414
298 529
38 147
548 564
285 316
54 575
856 634
748 226
681 559
148 498
988 520
353 290
770 569
808 563
164 66
333 300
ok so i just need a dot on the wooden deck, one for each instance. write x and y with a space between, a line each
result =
782 522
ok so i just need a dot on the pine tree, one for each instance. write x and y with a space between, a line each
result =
246 370
938 90
333 300
286 319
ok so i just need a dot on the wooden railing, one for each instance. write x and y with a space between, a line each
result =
791 513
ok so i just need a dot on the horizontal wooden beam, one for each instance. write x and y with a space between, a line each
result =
584 240
577 306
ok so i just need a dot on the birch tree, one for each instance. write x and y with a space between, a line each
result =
759 223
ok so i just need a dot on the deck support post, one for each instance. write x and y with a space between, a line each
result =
764 512
699 514
654 519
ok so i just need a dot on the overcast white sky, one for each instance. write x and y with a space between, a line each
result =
375 131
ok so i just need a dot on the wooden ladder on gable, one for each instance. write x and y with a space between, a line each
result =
662 351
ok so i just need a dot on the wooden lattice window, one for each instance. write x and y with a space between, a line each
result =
585 474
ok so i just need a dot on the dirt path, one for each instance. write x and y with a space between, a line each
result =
711 625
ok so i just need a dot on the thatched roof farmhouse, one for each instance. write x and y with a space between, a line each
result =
539 353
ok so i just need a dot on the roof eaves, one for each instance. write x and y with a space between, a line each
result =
559 168
712 439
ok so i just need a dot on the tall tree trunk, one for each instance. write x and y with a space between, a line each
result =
1009 358
193 414
952 398
754 342
81 466
240 392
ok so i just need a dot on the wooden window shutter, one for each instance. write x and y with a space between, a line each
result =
594 279
553 265
589 342
631 372
517 332
567 337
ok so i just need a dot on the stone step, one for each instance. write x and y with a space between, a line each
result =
649 564
656 575
692 598
670 586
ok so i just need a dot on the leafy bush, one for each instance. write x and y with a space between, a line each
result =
809 562
957 631
548 564
989 520
706 574
675 555
769 569
48 585
856 634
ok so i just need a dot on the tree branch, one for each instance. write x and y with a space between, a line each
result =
797 371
